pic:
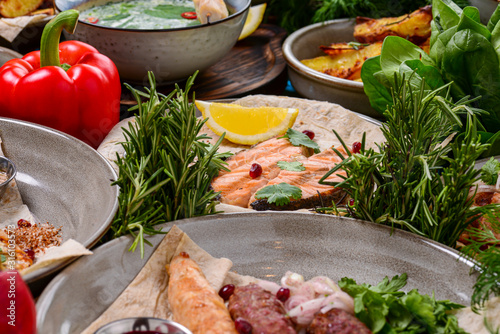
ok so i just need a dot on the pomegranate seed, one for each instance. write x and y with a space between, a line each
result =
242 326
30 253
226 291
309 133
23 223
283 294
351 202
356 147
255 171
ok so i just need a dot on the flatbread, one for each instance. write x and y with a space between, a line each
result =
153 278
319 117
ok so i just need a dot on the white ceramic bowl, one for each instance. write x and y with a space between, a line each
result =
303 44
172 54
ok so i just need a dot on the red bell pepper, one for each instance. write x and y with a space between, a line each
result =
80 97
18 313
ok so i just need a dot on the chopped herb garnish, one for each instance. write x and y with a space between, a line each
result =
292 166
279 194
298 138
490 170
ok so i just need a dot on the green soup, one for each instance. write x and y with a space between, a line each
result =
142 14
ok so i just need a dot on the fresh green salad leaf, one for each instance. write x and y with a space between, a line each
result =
279 194
386 309
293 166
490 170
298 138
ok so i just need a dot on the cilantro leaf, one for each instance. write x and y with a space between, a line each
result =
298 138
279 194
490 170
292 166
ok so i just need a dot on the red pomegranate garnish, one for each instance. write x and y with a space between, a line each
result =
30 253
309 133
351 202
226 291
356 147
283 294
23 223
255 171
242 326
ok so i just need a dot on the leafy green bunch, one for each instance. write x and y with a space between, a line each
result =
463 52
167 167
386 309
412 182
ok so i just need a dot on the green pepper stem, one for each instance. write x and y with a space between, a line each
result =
49 44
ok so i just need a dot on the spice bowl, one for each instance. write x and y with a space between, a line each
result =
143 325
7 174
171 54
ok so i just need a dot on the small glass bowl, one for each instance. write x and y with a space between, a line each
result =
143 325
8 167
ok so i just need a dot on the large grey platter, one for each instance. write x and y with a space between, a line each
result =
63 181
263 245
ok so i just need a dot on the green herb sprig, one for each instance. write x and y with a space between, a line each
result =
412 182
386 309
167 167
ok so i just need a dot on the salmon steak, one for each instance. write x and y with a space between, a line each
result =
238 188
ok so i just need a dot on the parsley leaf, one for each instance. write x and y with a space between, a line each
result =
292 166
279 193
490 170
298 138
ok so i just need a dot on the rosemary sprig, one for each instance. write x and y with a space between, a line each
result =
167 167
412 182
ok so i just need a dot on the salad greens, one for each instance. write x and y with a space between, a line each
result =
386 309
463 53
167 167
412 182
490 170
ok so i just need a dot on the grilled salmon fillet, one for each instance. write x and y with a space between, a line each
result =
238 188
313 193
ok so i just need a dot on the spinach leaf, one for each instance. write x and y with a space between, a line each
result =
470 20
395 50
433 79
168 11
446 12
470 61
372 75
495 17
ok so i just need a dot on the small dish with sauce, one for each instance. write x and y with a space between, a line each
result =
7 174
143 326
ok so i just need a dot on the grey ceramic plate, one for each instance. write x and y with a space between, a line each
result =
263 245
63 181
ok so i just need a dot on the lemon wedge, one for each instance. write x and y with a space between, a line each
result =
246 126
254 18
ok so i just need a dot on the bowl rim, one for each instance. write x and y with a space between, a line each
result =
294 63
11 177
230 17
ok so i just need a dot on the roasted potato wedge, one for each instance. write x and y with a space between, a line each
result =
15 8
415 27
346 61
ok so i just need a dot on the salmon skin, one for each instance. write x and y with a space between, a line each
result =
238 188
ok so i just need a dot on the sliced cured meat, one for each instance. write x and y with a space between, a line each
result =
261 309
